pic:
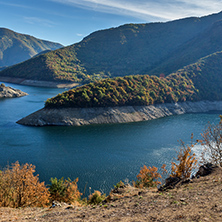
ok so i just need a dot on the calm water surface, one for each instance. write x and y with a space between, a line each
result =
100 155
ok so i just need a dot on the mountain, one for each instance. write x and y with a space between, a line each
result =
16 48
152 48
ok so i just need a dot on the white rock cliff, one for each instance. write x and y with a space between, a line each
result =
124 114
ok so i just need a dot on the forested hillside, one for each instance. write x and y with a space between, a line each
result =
152 48
202 45
206 75
15 47
198 81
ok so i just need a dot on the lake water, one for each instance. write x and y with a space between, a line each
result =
99 155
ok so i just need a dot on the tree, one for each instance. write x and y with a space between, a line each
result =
20 188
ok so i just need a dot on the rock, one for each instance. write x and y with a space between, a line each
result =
118 190
188 180
69 207
170 183
56 204
9 92
204 170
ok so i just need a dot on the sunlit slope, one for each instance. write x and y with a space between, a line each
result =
15 47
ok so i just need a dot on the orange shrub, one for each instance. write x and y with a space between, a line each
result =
148 177
20 188
72 192
186 162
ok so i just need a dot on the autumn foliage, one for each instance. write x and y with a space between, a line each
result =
64 190
136 90
20 188
182 168
148 177
185 162
96 197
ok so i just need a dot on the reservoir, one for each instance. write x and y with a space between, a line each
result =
99 155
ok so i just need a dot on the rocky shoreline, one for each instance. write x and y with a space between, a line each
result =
9 92
107 115
38 83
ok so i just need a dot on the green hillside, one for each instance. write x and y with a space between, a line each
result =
126 50
16 48
199 81
206 75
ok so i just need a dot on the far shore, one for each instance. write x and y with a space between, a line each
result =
29 82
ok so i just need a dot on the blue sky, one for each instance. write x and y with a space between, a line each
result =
68 21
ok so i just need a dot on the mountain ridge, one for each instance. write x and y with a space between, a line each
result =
129 49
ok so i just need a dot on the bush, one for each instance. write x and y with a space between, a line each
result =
186 162
57 188
96 197
148 177
20 188
119 184
64 190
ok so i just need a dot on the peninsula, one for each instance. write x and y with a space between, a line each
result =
195 88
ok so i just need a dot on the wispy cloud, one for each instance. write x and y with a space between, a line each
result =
35 20
149 9
14 5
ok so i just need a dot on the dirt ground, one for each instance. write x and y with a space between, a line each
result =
199 200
